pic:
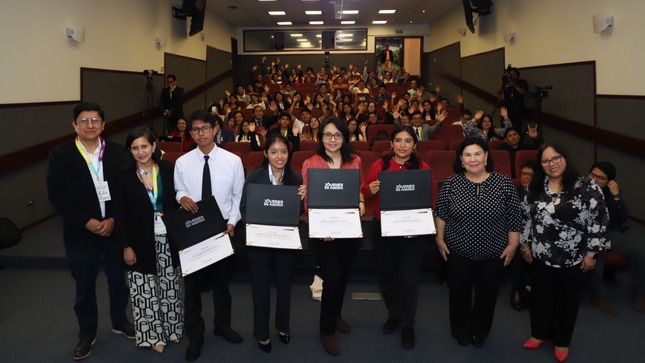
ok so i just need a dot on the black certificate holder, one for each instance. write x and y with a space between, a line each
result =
333 188
187 229
272 205
404 190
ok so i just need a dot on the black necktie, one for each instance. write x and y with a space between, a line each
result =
207 190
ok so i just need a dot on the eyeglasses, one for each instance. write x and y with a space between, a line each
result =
598 177
204 129
555 160
328 136
86 121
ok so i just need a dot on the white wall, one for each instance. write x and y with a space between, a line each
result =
40 64
557 31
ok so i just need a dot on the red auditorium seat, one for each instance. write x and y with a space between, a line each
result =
171 146
299 158
520 157
440 162
502 162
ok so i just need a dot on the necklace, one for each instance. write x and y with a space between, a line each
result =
145 172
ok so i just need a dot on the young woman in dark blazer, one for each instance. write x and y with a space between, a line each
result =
152 261
265 263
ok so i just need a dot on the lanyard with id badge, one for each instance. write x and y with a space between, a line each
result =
153 195
102 188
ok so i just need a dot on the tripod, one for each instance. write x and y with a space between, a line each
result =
148 102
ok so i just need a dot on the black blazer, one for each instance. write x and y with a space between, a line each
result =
138 222
72 193
260 175
174 104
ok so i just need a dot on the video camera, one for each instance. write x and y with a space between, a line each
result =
541 92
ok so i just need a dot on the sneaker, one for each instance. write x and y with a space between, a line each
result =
126 329
83 349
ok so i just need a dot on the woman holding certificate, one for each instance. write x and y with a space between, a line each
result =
335 256
398 258
272 265
478 219
148 192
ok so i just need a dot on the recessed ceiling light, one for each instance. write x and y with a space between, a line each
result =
277 13
349 12
348 22
379 22
313 12
317 22
387 11
295 35
301 40
284 23
318 35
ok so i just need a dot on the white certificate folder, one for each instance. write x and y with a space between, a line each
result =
406 203
199 236
272 216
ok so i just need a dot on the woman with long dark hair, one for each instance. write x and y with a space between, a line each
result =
398 258
566 220
182 131
151 259
335 256
272 265
483 127
478 219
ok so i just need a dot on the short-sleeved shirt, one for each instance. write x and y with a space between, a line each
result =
478 216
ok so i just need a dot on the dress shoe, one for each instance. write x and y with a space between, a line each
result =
391 325
194 349
229 334
463 341
329 344
127 329
516 301
639 303
342 326
285 338
83 349
477 341
532 343
562 354
265 347
407 337
602 302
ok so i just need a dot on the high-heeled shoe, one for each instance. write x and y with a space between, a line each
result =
285 338
532 343
265 347
561 356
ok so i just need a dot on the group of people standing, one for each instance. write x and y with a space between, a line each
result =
112 200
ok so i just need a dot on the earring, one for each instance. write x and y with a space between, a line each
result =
485 164
462 165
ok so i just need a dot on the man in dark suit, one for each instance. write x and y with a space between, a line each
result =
172 102
387 58
222 135
82 181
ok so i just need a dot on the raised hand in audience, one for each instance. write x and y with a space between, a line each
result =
478 115
503 111
532 131
441 116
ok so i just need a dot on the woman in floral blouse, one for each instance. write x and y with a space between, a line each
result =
566 220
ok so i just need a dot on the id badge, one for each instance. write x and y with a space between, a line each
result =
160 227
103 191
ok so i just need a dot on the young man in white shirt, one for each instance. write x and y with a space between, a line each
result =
227 181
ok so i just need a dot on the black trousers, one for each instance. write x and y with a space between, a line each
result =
399 264
267 266
470 316
336 258
556 297
84 264
216 276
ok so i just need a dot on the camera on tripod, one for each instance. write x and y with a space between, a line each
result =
149 73
541 92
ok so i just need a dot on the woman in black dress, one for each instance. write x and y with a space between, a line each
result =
478 219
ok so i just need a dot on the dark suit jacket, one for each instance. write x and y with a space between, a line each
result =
224 137
266 121
382 57
174 104
71 191
260 175
137 222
